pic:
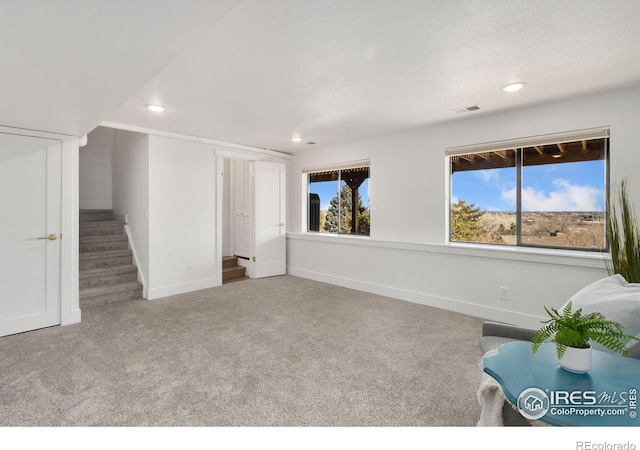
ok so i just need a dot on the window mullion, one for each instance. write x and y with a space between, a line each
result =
519 196
607 193
339 201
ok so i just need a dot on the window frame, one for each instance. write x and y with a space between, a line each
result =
308 172
518 146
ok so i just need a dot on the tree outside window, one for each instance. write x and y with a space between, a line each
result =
339 201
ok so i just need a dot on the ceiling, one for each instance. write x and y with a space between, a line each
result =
258 72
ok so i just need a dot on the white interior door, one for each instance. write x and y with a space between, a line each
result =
270 214
30 194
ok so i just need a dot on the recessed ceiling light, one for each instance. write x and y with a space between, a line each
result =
155 108
296 139
513 87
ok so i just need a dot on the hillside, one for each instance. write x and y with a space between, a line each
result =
555 229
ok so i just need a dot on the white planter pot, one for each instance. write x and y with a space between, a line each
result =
576 360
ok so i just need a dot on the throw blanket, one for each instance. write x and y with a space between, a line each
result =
491 398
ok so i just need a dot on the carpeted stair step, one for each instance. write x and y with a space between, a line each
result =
110 258
90 244
111 227
107 271
229 261
235 273
96 215
107 276
110 294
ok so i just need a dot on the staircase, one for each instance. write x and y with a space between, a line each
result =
231 271
107 273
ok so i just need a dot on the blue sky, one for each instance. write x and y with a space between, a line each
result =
329 189
551 187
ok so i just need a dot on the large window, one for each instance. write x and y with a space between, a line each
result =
338 200
546 192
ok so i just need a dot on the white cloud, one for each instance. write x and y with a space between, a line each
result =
487 175
564 197
509 195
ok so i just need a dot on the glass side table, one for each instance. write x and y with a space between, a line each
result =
541 390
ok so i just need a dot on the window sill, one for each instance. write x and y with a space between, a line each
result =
322 236
589 258
576 258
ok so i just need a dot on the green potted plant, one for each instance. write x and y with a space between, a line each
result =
623 234
571 332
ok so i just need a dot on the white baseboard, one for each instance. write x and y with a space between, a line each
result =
182 288
472 309
74 317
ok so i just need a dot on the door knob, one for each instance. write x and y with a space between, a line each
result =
51 237
280 224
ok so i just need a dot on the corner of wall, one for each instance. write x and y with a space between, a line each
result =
69 259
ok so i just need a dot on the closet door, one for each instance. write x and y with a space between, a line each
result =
242 207
30 195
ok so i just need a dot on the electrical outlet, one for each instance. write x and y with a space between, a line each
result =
504 293
191 268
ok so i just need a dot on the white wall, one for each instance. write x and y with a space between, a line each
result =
406 256
170 189
70 246
130 168
95 170
182 217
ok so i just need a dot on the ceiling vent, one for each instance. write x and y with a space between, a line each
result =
466 109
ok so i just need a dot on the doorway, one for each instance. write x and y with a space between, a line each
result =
253 195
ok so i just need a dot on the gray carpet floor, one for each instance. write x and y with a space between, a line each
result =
281 351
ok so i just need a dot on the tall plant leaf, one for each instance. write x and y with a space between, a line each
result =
623 233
